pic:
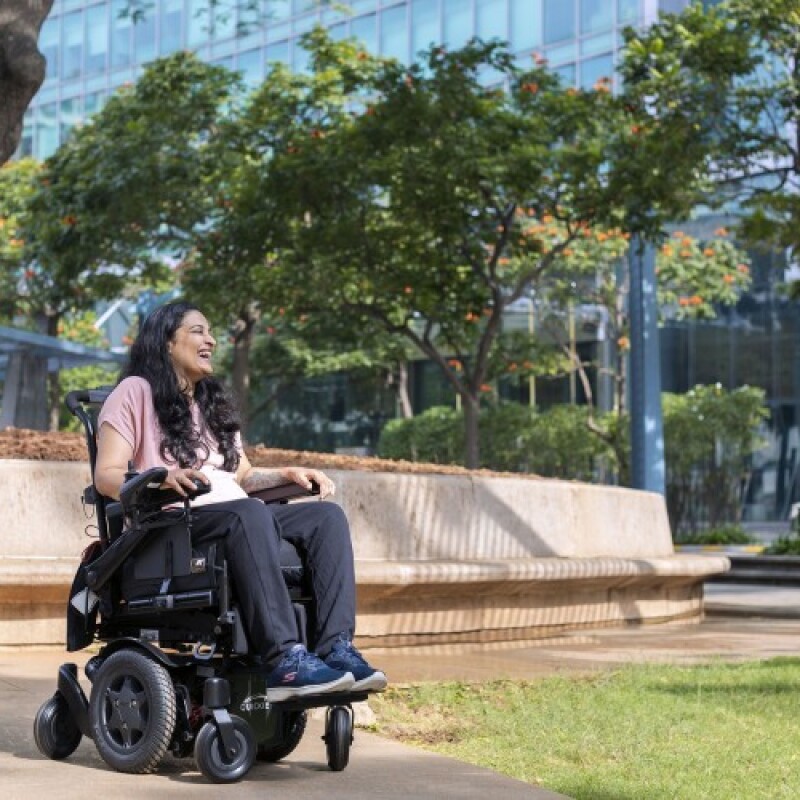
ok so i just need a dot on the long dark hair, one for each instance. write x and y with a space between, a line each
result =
149 359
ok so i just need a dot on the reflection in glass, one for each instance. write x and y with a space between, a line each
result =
72 51
526 24
596 15
249 64
97 30
196 22
593 69
394 33
48 45
559 20
144 39
363 29
628 11
171 29
47 132
491 19
458 27
425 29
278 51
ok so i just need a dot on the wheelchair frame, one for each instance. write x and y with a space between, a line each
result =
146 700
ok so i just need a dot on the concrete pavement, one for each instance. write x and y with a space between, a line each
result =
764 625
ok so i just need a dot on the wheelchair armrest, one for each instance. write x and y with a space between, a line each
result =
141 491
284 492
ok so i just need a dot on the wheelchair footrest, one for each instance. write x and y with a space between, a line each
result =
197 599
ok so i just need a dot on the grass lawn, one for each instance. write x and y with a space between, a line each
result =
644 732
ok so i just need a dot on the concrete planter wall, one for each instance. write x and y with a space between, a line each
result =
439 558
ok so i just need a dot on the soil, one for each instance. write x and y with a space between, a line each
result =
45 446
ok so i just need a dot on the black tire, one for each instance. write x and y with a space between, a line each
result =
132 711
213 761
294 727
338 737
55 731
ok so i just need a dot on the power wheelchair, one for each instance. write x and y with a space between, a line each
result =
173 664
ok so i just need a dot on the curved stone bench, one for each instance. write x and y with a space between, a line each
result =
439 558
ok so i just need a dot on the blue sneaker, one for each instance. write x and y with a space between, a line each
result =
300 673
345 657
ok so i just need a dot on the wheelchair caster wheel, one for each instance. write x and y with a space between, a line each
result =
338 737
54 730
212 759
132 711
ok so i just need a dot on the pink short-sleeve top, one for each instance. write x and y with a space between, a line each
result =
130 411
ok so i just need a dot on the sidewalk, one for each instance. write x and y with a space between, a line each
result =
743 623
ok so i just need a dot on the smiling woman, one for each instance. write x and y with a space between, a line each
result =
169 411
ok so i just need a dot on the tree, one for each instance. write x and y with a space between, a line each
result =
694 279
739 62
22 66
413 216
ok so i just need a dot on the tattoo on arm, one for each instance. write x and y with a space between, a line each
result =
262 479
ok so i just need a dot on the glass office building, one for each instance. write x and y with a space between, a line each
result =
91 50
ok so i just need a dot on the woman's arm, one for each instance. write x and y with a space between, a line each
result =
252 478
113 455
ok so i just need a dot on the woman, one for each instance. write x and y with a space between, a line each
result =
168 410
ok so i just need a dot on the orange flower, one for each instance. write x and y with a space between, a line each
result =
503 261
408 290
470 317
667 250
572 92
729 278
527 364
743 268
686 253
547 219
16 242
530 88
696 300
568 251
455 364
602 86
683 301
721 232
686 241
512 367
678 235
708 252
623 342
485 387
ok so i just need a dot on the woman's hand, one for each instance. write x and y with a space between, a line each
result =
182 480
304 476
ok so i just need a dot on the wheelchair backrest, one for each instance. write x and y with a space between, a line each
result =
85 404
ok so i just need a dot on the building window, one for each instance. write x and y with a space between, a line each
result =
249 64
279 51
197 23
97 29
596 15
425 27
48 44
72 51
47 132
144 39
70 116
93 103
120 35
458 23
593 69
394 33
171 26
559 20
363 29
491 19
628 11
526 24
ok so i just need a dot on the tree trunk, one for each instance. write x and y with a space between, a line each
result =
472 454
244 330
401 387
22 66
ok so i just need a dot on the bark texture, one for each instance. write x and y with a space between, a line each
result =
22 66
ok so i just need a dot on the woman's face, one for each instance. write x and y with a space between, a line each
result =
191 349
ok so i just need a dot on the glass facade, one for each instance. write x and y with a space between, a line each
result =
92 47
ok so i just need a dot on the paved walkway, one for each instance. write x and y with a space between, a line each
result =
746 623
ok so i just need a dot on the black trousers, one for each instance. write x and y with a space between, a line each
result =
251 531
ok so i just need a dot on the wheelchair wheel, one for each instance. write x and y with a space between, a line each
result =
54 730
132 711
294 728
213 761
338 737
